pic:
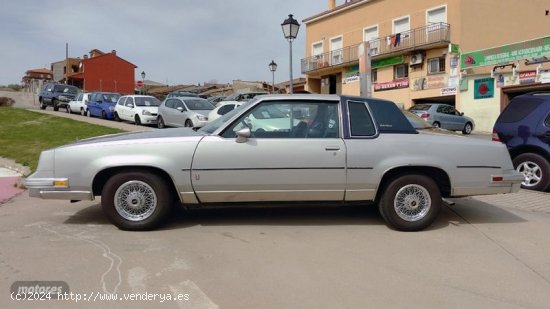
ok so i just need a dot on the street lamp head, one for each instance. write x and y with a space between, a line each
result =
273 66
143 74
290 28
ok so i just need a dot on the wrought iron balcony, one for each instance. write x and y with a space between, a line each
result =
433 35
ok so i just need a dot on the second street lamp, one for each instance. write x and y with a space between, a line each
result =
290 30
273 68
143 81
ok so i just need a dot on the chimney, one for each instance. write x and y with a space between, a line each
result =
113 51
331 5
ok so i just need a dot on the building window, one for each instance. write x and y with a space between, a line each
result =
336 55
436 65
401 25
371 35
374 75
401 71
435 17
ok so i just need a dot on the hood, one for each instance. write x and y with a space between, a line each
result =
202 112
165 133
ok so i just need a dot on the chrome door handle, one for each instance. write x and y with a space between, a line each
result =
332 148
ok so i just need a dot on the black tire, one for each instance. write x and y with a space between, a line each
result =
82 112
152 186
160 123
117 118
536 170
103 115
54 103
88 113
467 128
436 124
68 109
420 199
42 106
137 121
188 123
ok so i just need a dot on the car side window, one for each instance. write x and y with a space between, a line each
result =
289 119
169 103
225 109
122 101
80 97
179 104
547 121
361 124
130 102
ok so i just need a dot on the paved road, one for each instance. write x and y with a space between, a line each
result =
477 255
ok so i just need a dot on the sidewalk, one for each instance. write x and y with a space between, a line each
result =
8 184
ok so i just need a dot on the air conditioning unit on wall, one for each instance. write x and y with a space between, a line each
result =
416 59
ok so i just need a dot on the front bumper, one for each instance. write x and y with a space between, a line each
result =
55 189
149 119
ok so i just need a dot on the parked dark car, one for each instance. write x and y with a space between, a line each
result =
524 126
102 104
57 95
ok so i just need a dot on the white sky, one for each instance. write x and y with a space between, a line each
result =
174 41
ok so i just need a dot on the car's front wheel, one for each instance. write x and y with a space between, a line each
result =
136 200
535 169
160 123
188 123
467 129
137 121
88 113
410 202
68 109
54 103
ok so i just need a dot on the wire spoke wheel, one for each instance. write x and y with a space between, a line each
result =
135 200
412 202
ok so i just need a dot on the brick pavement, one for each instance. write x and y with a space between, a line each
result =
524 199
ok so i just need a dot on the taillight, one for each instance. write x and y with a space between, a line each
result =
495 137
426 115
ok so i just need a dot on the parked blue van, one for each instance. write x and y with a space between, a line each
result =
102 104
524 126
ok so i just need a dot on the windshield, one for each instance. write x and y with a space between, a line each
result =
417 122
420 107
199 105
65 89
111 97
214 125
147 101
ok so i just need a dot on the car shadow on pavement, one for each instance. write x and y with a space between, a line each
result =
471 211
89 215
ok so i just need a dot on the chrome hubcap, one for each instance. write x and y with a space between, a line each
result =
135 200
532 173
412 202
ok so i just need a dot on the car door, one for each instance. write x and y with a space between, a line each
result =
120 107
93 105
129 109
280 161
458 120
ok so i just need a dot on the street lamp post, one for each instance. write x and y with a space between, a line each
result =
273 68
290 30
143 81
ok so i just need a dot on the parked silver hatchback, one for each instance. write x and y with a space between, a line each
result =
184 112
444 116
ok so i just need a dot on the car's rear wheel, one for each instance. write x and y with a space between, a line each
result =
410 202
115 115
103 115
68 109
188 123
436 125
54 103
467 129
82 112
88 113
42 105
137 120
535 169
136 200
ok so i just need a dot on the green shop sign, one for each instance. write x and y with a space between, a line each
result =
484 88
386 62
507 53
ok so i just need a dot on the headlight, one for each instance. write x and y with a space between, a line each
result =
112 108
64 98
146 113
201 117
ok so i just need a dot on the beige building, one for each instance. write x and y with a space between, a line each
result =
426 51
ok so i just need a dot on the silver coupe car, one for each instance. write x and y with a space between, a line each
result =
279 150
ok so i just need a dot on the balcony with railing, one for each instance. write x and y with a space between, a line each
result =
431 36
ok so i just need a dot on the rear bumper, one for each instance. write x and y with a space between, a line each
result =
507 182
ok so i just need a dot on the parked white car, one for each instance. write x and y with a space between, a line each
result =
139 109
79 104
184 112
222 109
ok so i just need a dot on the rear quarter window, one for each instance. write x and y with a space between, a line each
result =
518 109
389 118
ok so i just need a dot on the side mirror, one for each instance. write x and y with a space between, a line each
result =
180 109
461 114
243 135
